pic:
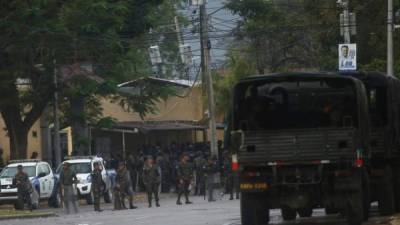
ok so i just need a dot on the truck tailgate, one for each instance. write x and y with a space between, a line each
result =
297 145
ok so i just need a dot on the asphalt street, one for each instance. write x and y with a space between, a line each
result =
223 212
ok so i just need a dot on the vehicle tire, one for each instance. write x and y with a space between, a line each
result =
35 205
396 173
288 213
386 200
305 212
253 211
108 196
89 199
329 210
367 196
55 201
18 205
355 207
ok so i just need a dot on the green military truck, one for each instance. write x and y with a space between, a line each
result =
316 140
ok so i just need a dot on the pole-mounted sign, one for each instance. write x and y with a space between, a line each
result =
347 57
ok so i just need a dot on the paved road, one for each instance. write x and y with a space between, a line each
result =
223 212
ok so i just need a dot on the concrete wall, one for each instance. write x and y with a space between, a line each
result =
189 108
34 140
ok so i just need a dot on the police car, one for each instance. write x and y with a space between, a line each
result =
41 177
83 167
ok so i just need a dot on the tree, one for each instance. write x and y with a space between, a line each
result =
303 34
25 66
34 34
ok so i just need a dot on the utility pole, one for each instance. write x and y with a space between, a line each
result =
57 147
207 77
181 47
346 22
178 31
390 28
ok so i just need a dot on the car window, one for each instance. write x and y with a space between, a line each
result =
81 167
9 172
44 169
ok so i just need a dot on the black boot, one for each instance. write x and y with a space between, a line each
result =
131 206
157 204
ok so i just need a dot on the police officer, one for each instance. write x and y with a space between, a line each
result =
124 185
151 180
67 180
199 164
24 187
185 176
211 169
98 186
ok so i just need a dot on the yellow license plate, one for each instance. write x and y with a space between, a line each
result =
250 186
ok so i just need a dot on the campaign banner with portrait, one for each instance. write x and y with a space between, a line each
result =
347 57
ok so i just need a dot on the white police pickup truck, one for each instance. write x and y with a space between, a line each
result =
83 167
41 177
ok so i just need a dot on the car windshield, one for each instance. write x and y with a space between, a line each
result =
81 167
9 172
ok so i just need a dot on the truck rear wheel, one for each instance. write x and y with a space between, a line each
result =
396 173
288 213
305 212
253 210
355 208
386 196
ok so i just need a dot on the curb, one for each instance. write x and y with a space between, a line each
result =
29 216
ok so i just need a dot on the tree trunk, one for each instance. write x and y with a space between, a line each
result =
18 144
79 126
17 132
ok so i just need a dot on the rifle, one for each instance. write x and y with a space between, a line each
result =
205 186
61 190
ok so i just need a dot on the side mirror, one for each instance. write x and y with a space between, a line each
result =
237 140
41 175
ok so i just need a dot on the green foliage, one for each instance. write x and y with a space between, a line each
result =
240 67
303 34
111 35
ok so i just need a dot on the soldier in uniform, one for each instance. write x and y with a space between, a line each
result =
185 176
211 169
131 164
199 164
24 187
67 180
124 185
151 180
98 186
230 177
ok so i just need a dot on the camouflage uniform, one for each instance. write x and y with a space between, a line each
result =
211 169
124 187
67 179
199 164
97 188
185 176
24 188
151 180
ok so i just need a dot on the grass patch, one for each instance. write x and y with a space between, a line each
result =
10 213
